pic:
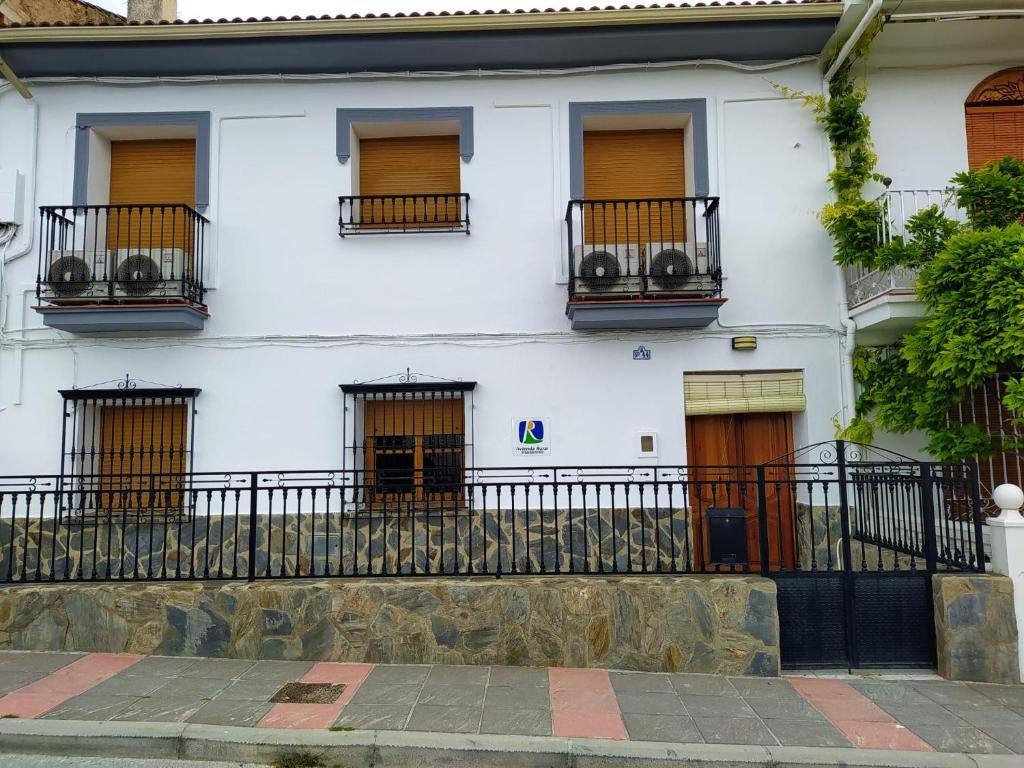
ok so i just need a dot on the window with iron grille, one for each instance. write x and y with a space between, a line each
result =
409 443
127 452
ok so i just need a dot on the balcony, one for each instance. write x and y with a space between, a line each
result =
643 263
883 302
403 214
121 268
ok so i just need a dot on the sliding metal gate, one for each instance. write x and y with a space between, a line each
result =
870 529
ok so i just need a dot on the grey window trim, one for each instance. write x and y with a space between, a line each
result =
697 109
347 117
86 121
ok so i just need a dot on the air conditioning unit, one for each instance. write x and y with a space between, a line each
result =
678 267
75 276
606 268
144 274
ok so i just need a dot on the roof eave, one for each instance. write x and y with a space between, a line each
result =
424 24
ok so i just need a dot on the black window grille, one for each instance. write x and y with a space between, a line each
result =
409 443
127 452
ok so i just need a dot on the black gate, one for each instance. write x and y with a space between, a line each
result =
870 529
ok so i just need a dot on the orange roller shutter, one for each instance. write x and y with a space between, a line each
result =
994 133
410 165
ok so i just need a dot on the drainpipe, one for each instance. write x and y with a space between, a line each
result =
851 42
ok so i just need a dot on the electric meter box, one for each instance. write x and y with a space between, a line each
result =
12 196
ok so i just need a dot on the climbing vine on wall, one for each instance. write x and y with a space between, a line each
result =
971 279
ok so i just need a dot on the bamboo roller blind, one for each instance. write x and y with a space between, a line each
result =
719 393
634 164
994 132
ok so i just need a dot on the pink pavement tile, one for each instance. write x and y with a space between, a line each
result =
584 700
864 711
319 715
587 725
881 736
821 688
562 678
76 678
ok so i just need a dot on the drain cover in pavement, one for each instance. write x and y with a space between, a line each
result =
309 693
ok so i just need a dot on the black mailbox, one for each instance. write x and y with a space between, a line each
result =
727 536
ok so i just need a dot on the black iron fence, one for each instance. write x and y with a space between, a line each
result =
644 248
102 254
778 518
384 214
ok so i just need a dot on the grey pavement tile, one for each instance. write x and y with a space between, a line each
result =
242 713
704 685
426 717
517 697
374 717
995 716
90 706
516 722
249 690
716 706
369 693
160 666
670 728
953 694
160 710
41 664
457 675
734 730
806 733
764 687
399 674
929 713
277 671
946 738
10 681
218 669
452 695
129 685
784 709
640 681
1007 695
519 676
650 703
897 694
1010 737
190 688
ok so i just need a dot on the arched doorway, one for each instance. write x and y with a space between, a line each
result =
995 118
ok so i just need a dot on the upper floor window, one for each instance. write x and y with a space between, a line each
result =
995 118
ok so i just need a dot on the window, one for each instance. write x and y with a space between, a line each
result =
995 118
409 443
127 451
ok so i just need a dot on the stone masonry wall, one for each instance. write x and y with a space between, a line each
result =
712 624
975 628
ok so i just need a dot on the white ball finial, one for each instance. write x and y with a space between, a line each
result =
1009 498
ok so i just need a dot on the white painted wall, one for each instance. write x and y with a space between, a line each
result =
296 310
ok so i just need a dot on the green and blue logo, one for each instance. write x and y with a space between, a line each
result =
531 432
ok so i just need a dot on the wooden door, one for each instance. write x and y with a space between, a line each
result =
724 451
152 172
632 165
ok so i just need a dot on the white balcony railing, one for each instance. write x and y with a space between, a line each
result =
898 206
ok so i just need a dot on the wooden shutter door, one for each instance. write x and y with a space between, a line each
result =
410 165
994 133
622 165
158 171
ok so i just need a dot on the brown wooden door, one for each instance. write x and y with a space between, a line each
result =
724 451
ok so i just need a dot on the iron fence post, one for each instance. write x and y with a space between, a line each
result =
979 541
762 523
928 517
847 568
253 519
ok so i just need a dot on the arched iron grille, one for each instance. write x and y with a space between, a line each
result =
127 452
409 444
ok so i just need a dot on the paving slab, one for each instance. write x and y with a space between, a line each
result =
249 690
91 706
526 722
247 713
160 710
953 694
716 706
704 685
763 687
806 733
451 695
277 671
644 703
160 666
734 730
190 688
519 677
374 692
457 675
663 728
945 738
398 674
784 708
640 681
516 697
1006 695
374 717
440 719
218 669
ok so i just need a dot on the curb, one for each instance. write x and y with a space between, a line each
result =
397 749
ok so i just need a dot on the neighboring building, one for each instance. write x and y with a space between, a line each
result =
54 12
513 239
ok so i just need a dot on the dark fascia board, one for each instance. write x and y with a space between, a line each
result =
346 118
432 386
697 109
86 121
770 40
129 394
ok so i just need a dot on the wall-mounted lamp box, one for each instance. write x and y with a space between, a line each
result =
12 196
647 445
744 342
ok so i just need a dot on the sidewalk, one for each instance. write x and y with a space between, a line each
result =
910 714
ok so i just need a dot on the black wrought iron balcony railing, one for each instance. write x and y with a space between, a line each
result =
121 254
644 248
391 214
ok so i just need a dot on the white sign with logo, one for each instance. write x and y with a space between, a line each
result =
530 436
